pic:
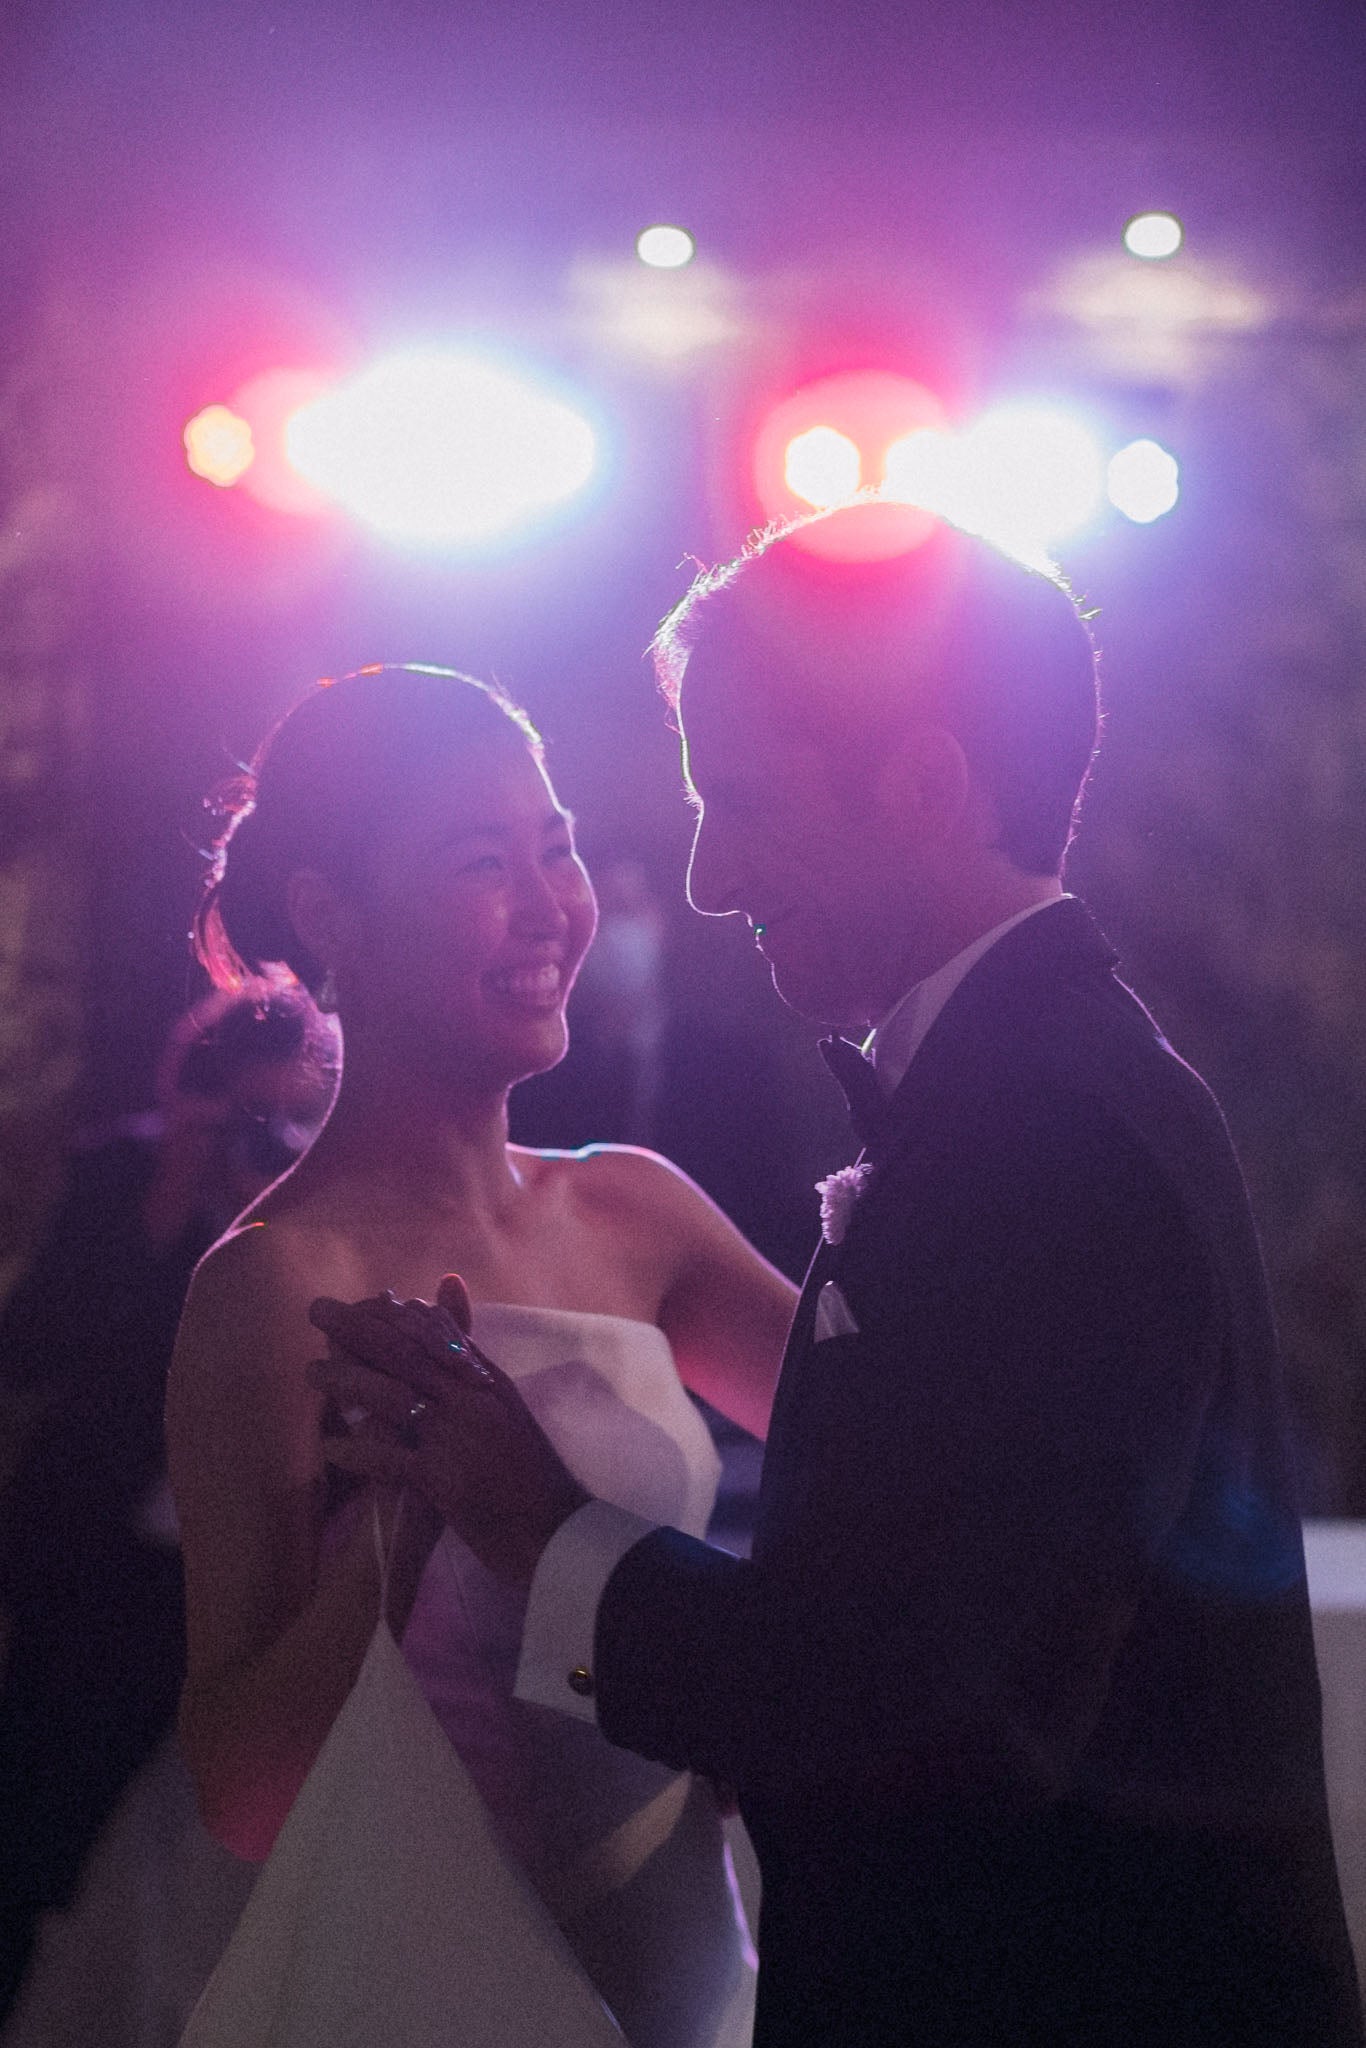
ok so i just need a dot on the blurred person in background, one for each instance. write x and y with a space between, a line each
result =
90 1577
620 994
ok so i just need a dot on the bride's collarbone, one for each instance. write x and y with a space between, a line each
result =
573 1238
580 1268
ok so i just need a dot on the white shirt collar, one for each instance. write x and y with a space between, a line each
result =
894 1042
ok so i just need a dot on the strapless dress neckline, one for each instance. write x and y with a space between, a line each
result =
531 1309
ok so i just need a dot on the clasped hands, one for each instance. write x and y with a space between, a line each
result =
443 1420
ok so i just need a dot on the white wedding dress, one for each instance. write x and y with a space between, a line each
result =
629 1857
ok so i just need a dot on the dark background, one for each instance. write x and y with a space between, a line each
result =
192 194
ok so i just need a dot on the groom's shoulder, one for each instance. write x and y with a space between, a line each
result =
1102 1048
1077 1081
1067 1031
1091 1097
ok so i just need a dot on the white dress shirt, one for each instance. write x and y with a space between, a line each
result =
557 1640
894 1042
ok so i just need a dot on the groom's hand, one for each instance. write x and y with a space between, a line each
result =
451 1424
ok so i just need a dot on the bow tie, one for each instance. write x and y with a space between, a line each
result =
867 1103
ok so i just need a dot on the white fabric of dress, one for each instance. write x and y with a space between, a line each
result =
628 1856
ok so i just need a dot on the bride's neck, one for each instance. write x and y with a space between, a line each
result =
435 1145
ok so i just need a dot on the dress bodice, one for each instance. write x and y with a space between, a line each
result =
627 1854
607 1394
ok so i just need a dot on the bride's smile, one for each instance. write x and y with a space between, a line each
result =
459 940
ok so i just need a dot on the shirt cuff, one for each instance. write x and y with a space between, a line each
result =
556 1664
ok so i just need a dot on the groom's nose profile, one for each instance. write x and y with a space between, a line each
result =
711 882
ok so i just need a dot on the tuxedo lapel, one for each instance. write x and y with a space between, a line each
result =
859 1083
1008 991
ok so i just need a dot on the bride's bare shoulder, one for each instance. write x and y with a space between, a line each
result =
262 1275
612 1176
244 1289
238 1375
253 1258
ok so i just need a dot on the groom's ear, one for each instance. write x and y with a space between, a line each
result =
923 786
321 919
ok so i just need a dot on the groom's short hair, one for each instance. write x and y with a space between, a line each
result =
956 632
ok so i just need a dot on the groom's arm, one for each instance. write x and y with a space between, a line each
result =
970 1499
679 1644
558 1662
646 1632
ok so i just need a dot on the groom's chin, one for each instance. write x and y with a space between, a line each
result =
809 996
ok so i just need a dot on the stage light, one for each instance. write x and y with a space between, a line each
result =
1143 481
665 248
1153 236
442 450
218 445
823 440
822 466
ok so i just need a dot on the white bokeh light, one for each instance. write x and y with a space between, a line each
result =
219 445
821 466
1025 476
1033 477
1153 236
665 248
1143 481
441 450
923 469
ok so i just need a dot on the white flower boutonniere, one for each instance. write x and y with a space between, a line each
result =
838 1195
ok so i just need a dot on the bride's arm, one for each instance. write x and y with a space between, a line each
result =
276 1632
725 1310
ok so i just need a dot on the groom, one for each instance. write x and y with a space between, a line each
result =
1018 1688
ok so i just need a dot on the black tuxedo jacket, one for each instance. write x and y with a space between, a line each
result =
1019 1688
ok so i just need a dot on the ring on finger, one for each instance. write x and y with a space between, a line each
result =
425 1326
478 1369
411 1432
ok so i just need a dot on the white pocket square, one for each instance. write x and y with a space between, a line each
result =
834 1317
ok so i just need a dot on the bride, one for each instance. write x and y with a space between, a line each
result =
399 849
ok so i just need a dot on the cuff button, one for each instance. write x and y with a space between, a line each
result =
581 1681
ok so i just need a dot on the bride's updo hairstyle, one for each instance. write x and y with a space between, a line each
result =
321 792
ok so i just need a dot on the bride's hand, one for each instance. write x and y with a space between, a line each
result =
453 1426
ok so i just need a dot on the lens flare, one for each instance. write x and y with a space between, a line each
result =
818 444
1143 481
442 450
219 446
268 402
